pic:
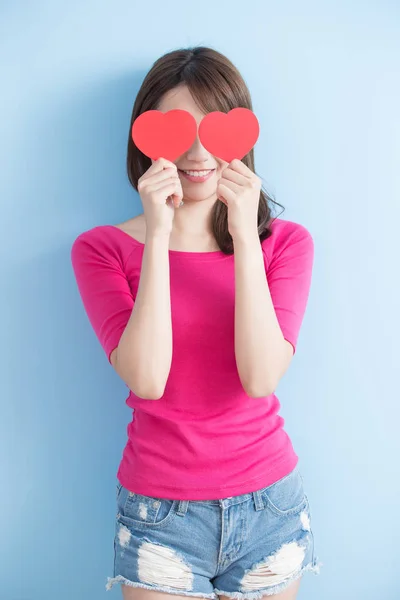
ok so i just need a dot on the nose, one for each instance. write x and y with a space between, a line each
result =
197 153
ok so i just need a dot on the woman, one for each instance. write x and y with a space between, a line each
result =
198 304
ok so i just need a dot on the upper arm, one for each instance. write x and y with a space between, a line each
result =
289 281
104 289
288 352
113 358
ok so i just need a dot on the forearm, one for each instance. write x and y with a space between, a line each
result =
145 349
259 343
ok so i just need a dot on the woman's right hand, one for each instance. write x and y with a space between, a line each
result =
161 192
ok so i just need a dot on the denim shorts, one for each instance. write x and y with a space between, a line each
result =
244 546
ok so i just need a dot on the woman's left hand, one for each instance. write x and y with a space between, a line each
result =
239 188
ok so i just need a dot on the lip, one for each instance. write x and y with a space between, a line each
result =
197 179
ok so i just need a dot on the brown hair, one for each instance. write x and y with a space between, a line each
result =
215 84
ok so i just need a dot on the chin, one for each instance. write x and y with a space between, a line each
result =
197 190
199 196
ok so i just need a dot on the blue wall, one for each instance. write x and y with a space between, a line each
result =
324 80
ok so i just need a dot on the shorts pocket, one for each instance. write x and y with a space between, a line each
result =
286 496
137 511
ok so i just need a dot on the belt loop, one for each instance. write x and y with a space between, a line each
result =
258 500
182 508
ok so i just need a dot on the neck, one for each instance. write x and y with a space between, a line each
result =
193 219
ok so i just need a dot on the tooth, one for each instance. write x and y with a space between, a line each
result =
197 173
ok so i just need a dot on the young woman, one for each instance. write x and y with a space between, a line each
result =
198 306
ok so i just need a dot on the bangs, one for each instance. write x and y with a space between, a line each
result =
216 89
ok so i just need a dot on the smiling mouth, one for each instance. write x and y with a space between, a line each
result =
197 173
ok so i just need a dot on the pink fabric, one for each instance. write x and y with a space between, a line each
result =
205 438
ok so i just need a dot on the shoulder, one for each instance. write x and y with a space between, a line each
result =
284 231
108 242
101 238
289 237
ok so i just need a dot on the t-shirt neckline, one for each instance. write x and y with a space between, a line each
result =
177 253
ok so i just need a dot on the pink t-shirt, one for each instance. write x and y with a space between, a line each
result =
205 439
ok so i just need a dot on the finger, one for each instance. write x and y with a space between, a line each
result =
160 176
230 184
234 176
177 197
239 166
167 191
162 184
165 163
225 193
157 166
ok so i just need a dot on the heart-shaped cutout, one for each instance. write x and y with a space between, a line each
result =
167 135
229 135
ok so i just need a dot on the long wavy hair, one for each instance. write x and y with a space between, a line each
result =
215 84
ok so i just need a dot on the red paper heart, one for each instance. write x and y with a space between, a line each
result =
229 135
166 135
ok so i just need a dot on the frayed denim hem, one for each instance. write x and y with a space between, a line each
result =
119 579
314 567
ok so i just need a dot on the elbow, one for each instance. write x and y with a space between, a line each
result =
261 394
143 389
148 388
264 391
146 394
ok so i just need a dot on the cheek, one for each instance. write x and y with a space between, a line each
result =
221 166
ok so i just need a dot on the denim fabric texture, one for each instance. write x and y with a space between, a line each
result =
245 546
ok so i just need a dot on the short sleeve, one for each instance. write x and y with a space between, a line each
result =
289 278
104 289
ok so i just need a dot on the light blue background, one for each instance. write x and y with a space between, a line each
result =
324 77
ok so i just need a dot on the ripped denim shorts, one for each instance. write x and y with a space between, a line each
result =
243 547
